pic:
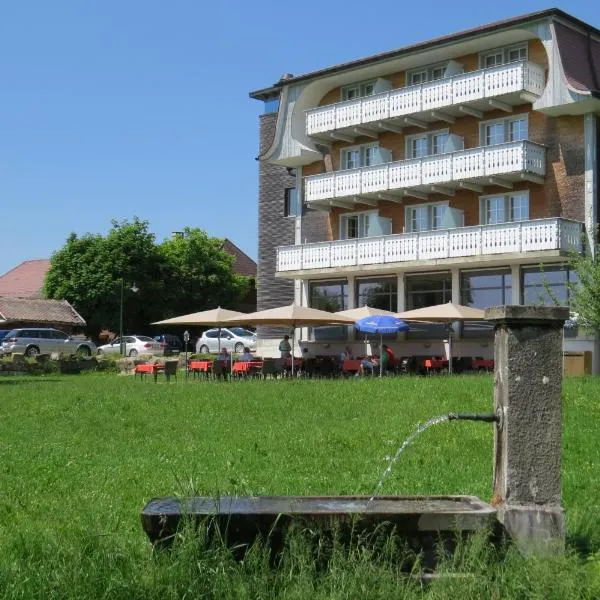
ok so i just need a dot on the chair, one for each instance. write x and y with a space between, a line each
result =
328 368
170 369
220 369
268 368
280 366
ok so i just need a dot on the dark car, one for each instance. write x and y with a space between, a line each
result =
171 343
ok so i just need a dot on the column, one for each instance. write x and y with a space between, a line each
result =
455 273
515 271
401 290
590 135
351 303
527 441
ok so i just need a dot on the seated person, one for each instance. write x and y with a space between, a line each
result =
346 354
369 364
224 355
246 356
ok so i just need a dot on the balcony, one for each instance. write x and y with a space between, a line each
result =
524 236
442 100
441 173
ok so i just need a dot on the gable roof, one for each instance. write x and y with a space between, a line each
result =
34 310
25 280
243 264
555 14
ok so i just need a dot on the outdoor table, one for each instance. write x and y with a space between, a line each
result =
149 368
200 366
483 363
246 367
351 365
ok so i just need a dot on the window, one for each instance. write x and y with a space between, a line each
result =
424 217
431 73
355 225
505 130
358 90
427 144
504 208
378 293
291 203
502 56
363 156
427 290
482 289
547 284
331 296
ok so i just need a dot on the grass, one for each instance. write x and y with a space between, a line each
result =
83 454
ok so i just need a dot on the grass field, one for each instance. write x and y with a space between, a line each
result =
83 454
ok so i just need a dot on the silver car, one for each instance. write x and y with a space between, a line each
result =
42 340
133 346
235 339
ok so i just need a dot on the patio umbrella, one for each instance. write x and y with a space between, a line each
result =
444 313
381 324
293 316
364 311
215 317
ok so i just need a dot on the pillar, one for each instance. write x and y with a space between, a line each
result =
515 271
527 442
351 304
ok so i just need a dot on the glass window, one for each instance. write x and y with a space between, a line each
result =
493 60
368 89
516 54
425 217
331 296
291 204
370 155
427 290
495 210
482 289
437 215
349 93
418 77
547 284
517 130
419 147
439 143
378 293
355 225
351 159
437 73
519 207
358 90
494 133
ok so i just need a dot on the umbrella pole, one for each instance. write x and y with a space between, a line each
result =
219 342
293 345
380 354
450 350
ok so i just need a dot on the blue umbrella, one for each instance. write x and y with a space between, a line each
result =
381 324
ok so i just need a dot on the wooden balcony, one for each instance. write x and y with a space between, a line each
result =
481 240
473 169
446 99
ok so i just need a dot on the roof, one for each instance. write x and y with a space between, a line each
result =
25 280
243 264
33 310
270 92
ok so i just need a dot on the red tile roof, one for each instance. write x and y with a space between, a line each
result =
25 280
243 264
33 310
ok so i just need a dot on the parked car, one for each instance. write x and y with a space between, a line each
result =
43 340
134 345
171 343
235 339
3 333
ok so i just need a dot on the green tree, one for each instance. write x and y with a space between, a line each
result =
585 294
199 274
88 271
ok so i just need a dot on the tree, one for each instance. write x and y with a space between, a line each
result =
186 274
585 294
199 274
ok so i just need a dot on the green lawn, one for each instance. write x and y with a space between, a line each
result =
83 454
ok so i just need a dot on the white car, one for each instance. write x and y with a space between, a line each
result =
133 345
235 339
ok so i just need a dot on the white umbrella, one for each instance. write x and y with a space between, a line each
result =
293 316
444 313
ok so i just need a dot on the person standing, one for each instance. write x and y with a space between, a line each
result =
285 348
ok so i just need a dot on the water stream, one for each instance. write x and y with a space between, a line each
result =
407 442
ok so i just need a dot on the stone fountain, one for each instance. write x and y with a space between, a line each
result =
526 483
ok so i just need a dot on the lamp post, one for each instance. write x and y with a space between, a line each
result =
134 289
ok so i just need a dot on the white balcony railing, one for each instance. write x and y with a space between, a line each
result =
524 236
504 159
465 88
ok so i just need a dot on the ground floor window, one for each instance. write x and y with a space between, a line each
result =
547 284
482 289
427 290
331 296
378 293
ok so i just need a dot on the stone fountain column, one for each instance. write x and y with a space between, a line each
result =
527 441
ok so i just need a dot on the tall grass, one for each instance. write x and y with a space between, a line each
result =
82 455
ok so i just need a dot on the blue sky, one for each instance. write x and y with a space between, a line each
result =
140 108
